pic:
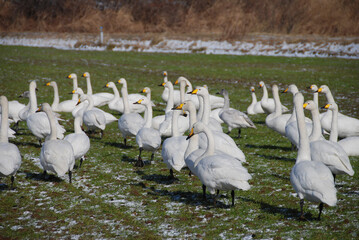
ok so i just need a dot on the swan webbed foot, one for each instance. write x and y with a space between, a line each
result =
320 210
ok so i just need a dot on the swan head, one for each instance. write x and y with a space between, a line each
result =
323 89
167 84
83 98
122 81
313 87
200 91
275 88
164 73
72 76
25 94
331 106
310 105
44 107
77 91
86 75
143 101
146 90
261 84
223 92
52 84
292 89
198 127
109 85
252 89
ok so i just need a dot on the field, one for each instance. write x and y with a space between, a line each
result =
110 198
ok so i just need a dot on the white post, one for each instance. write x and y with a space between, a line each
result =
101 35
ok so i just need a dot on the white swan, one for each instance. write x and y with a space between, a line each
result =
330 152
165 93
130 122
134 97
166 126
347 126
38 122
10 133
100 99
57 106
268 104
14 110
234 118
184 83
311 180
116 103
316 133
31 94
56 155
291 127
255 107
73 76
79 140
350 145
147 138
218 171
174 148
276 120
157 120
92 118
10 157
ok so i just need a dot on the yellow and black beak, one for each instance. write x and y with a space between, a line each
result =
285 91
176 82
138 102
84 75
143 91
260 86
162 85
193 92
47 84
305 105
69 76
326 106
179 107
190 134
320 90
39 109
78 102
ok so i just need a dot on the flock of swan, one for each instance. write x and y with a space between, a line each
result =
208 152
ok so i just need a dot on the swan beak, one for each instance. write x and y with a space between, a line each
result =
184 114
320 90
69 76
106 86
138 102
39 109
72 92
260 86
78 102
143 91
176 82
164 73
190 134
252 90
47 84
84 75
310 87
326 106
179 107
193 92
285 91
162 85
305 105
36 89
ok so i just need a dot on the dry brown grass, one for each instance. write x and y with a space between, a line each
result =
231 19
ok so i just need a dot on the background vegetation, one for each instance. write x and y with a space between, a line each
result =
110 198
230 19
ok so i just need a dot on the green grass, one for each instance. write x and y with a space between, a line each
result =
110 198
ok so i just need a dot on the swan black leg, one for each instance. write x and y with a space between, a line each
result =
152 156
301 202
12 182
232 193
334 176
190 173
139 162
70 176
81 160
125 141
204 192
320 210
101 134
44 175
239 133
172 176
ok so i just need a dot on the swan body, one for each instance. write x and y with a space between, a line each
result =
130 122
79 140
147 138
92 118
10 157
14 109
116 103
165 93
276 120
10 133
232 117
347 126
255 107
311 179
350 145
57 106
219 171
100 99
268 104
56 155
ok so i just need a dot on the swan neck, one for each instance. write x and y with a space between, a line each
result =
53 127
148 95
304 149
316 98
254 98
116 93
170 103
175 116
89 86
278 105
329 96
182 90
265 92
200 109
56 101
33 100
226 102
75 96
193 141
206 109
77 125
4 121
148 115
210 146
334 131
91 103
317 128
126 105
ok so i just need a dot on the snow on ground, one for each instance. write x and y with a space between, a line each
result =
340 49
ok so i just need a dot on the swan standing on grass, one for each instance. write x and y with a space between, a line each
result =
116 103
10 157
234 118
130 122
311 179
268 104
218 171
57 106
147 138
93 118
347 126
174 148
330 152
99 99
79 140
56 155
255 107
38 122
276 120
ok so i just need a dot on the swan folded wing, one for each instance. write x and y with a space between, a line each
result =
315 181
131 123
238 118
150 137
10 159
173 150
57 157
